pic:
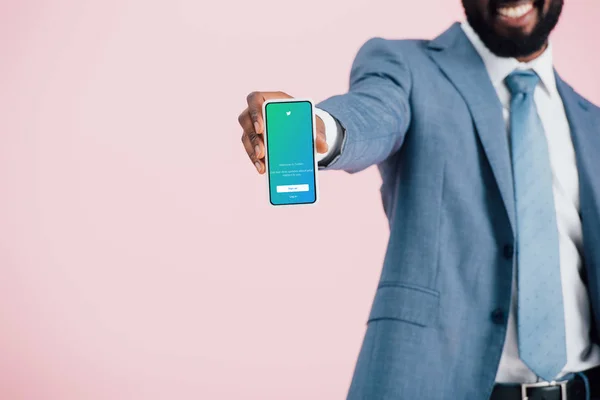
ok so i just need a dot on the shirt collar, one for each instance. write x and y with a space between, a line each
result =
499 68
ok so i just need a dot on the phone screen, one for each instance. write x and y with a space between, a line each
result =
290 152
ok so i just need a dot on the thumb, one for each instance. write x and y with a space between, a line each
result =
321 142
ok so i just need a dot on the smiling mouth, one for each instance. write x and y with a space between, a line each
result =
515 10
517 14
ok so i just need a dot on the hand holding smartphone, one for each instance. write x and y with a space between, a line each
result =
290 155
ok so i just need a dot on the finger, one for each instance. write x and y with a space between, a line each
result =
255 102
321 144
249 149
258 145
256 141
243 118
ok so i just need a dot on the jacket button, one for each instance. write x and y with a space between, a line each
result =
498 316
509 251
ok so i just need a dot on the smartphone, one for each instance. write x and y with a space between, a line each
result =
290 154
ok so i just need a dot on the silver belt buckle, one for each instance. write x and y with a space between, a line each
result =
526 386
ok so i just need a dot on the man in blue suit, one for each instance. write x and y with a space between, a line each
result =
490 163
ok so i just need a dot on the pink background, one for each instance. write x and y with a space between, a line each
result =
133 262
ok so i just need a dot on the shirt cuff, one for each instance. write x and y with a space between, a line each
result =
334 135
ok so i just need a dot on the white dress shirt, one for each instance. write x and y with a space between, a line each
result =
582 354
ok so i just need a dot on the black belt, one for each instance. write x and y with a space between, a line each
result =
572 389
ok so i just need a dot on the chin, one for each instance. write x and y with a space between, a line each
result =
518 18
518 28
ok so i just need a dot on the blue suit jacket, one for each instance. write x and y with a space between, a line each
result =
427 114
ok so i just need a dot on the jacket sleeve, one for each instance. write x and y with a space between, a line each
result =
375 113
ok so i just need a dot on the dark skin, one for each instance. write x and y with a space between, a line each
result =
251 119
503 26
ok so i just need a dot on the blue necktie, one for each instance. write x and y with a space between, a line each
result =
540 311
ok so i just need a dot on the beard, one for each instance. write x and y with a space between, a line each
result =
516 43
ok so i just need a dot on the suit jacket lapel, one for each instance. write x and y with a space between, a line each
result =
586 140
462 65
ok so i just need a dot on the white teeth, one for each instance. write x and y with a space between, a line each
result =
515 12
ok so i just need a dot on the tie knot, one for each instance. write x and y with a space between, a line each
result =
522 82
